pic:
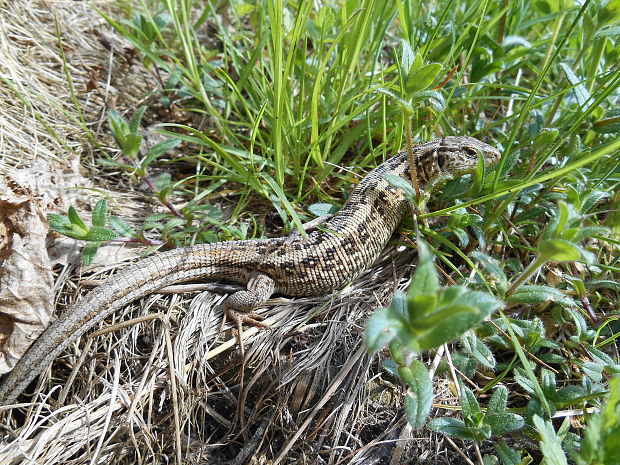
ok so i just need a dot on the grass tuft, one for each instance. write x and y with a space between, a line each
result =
286 103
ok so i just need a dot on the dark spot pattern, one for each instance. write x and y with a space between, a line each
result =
332 256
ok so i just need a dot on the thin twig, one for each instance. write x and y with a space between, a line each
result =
173 388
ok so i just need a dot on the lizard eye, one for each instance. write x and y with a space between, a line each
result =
441 160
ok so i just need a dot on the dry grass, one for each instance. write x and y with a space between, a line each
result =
307 392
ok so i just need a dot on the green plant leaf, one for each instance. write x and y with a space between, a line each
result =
506 454
100 213
610 12
173 223
493 271
588 232
589 200
548 383
471 308
74 218
419 397
158 150
118 126
89 252
592 450
100 234
546 137
536 294
611 423
287 205
463 220
322 209
425 279
462 236
551 6
421 310
399 353
610 124
435 97
502 423
435 318
601 357
558 250
121 227
560 221
478 350
163 183
472 413
497 417
581 92
452 427
115 164
58 221
130 145
604 284
550 443
150 225
404 104
408 58
422 78
402 184
62 225
568 395
381 328
134 123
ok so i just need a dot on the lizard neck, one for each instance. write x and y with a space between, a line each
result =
343 247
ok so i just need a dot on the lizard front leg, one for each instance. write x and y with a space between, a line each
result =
240 306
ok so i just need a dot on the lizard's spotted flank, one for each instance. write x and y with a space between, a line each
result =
331 255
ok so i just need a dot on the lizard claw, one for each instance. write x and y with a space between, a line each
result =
239 317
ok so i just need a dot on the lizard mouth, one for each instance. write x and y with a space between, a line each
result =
496 155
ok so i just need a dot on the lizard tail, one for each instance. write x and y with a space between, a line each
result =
230 261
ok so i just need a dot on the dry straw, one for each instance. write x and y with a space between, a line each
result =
307 390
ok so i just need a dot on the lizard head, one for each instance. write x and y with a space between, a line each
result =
456 156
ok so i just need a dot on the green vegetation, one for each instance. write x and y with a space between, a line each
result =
282 93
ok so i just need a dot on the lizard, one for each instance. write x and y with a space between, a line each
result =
326 259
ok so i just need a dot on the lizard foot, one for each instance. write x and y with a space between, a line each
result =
239 307
239 317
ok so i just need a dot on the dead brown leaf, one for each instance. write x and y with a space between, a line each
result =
26 299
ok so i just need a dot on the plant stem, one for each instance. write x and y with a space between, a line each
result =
412 171
527 273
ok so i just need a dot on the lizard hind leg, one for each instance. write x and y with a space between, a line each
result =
309 227
240 306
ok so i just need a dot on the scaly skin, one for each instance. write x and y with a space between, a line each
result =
327 259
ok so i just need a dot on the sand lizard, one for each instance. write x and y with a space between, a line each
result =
327 259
